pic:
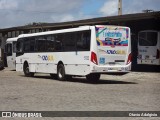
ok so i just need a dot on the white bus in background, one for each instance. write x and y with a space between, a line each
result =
11 52
149 47
83 51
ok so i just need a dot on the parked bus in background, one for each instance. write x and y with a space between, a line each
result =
149 47
11 52
83 51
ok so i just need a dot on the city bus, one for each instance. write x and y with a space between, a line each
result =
11 52
149 47
83 51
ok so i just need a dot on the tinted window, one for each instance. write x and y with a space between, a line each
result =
14 47
32 44
26 45
69 42
50 43
58 42
9 49
83 40
20 45
152 37
148 38
40 44
72 41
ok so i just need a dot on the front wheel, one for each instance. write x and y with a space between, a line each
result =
26 71
93 77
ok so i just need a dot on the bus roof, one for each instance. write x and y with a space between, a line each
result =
80 28
56 31
12 39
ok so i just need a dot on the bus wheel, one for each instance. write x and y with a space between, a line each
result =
93 77
26 71
61 72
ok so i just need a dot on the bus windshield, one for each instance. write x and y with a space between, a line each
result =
9 49
148 38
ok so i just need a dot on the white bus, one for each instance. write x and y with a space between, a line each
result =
149 47
83 51
11 52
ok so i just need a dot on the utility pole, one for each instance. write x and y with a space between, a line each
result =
119 7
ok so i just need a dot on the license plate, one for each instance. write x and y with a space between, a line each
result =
146 61
112 69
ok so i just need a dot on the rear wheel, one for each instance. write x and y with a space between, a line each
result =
93 77
61 72
26 71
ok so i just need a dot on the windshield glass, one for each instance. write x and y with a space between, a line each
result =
148 38
9 49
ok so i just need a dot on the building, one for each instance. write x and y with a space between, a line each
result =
137 22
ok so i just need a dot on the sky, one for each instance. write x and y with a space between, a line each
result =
23 12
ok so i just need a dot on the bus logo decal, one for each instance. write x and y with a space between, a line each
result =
47 57
121 52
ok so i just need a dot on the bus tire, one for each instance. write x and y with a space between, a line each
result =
26 71
61 72
93 77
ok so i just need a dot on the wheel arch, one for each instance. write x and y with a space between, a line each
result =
60 62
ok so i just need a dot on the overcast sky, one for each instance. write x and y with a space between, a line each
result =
22 12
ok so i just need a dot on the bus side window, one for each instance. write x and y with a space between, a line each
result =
58 42
83 41
40 44
50 43
20 46
32 44
69 42
26 45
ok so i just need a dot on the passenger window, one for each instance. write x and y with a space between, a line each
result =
50 43
69 42
20 45
14 47
26 45
40 42
32 44
58 42
83 41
